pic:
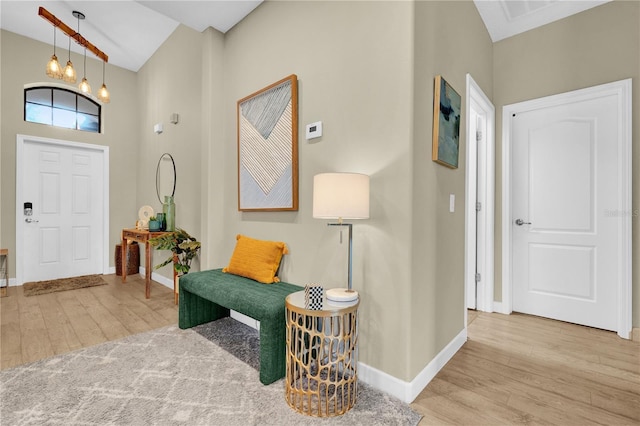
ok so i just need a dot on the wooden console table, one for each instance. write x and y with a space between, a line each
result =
143 236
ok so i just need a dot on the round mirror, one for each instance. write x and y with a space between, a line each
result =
165 177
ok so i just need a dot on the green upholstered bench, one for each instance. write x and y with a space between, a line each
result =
208 295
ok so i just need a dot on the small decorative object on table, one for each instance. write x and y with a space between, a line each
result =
341 297
169 211
144 214
154 224
313 297
160 218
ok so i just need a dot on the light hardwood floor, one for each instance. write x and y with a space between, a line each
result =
514 369
36 327
520 369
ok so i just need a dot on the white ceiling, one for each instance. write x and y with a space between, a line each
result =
129 32
506 18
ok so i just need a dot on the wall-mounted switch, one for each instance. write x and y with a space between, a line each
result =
314 130
452 203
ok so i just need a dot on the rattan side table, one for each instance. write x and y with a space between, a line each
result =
322 356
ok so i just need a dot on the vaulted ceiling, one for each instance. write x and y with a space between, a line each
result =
131 31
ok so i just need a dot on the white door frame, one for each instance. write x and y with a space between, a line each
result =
621 89
20 143
485 180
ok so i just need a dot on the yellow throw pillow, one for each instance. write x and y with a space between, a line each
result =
256 259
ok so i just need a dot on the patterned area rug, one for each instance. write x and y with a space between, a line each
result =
165 377
63 284
238 339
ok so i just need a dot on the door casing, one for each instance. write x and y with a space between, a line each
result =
21 140
622 90
482 178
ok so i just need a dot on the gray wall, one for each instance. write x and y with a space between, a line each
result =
354 65
594 47
450 40
370 80
366 70
23 62
171 82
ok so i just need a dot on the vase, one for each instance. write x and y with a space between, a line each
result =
169 210
163 224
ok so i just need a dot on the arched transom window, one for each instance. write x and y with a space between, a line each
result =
60 107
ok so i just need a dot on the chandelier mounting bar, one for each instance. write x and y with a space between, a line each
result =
45 14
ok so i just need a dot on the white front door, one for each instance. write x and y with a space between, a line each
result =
63 236
565 191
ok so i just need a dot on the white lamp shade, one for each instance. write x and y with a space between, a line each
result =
341 196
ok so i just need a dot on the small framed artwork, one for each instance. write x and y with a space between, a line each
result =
446 124
268 148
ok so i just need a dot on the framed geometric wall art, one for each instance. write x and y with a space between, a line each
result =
446 124
268 148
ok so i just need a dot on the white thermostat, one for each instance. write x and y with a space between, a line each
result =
314 130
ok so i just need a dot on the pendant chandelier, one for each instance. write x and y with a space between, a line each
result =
53 66
68 74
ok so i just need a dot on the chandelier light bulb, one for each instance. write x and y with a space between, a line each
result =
84 86
54 70
103 94
69 73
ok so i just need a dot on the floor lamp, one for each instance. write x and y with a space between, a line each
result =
341 196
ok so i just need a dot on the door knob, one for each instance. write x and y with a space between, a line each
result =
29 220
521 222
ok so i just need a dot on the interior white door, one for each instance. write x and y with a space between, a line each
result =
481 213
565 180
479 199
63 237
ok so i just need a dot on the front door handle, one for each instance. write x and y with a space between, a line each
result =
29 220
521 222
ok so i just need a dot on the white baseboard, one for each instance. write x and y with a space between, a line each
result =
161 279
408 391
168 282
246 320
498 307
405 391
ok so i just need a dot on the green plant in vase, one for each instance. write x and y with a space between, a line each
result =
154 224
184 248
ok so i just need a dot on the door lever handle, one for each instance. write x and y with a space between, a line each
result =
29 220
521 222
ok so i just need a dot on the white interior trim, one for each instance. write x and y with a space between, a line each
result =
621 89
408 391
484 179
20 142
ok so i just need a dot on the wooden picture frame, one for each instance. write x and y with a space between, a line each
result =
446 124
268 148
